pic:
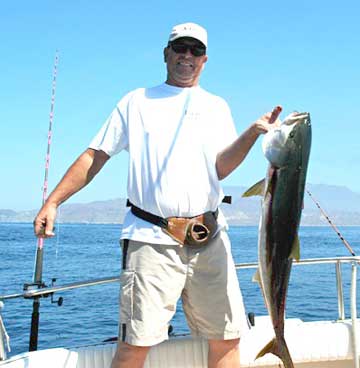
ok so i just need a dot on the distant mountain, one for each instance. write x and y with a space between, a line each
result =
109 211
340 203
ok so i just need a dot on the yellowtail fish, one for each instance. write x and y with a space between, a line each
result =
287 149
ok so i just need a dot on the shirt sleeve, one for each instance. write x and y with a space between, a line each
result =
113 136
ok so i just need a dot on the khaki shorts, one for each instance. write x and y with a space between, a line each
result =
155 276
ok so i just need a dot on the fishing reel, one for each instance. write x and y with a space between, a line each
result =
60 300
37 285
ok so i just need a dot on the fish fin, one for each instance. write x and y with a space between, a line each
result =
256 277
256 189
295 252
271 347
280 349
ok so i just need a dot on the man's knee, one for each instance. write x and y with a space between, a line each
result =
129 355
224 345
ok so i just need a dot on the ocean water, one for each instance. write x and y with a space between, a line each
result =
88 315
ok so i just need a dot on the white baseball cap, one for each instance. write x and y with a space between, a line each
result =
192 30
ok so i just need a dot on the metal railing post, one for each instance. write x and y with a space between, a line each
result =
340 293
2 347
354 314
2 336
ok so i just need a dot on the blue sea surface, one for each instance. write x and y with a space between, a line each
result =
88 251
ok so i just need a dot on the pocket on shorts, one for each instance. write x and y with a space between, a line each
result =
127 280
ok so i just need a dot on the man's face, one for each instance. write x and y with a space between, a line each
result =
185 59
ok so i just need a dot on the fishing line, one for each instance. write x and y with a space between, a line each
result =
47 157
347 245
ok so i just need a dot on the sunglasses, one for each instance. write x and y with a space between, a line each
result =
181 48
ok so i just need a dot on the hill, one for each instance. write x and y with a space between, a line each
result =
340 203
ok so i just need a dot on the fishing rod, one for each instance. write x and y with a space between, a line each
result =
38 268
347 245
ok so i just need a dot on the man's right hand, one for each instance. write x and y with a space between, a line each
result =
44 221
80 173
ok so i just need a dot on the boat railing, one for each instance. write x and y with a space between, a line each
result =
337 261
36 292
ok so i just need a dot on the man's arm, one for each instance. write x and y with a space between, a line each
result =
80 173
232 156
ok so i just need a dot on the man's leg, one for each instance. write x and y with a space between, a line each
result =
213 303
224 354
127 356
151 283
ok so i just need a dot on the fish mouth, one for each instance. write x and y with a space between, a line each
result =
277 143
296 117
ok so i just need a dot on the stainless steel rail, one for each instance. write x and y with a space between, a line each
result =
338 261
54 289
354 315
106 280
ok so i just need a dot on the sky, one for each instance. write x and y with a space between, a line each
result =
303 55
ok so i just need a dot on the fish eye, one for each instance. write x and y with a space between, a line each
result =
291 135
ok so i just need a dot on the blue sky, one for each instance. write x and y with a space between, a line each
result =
303 55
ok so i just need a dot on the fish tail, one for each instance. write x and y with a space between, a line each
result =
279 348
269 348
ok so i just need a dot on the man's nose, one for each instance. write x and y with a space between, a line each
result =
188 52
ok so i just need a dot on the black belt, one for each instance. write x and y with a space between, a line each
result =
160 221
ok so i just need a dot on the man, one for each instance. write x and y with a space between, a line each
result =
181 142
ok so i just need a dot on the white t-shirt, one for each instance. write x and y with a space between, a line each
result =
172 135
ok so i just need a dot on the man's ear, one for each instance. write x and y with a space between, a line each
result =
165 54
205 60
